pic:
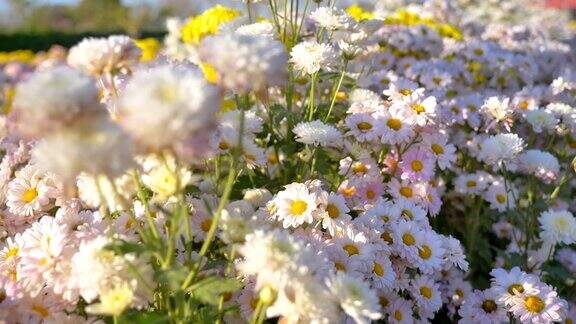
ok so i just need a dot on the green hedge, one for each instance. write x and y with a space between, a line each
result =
43 41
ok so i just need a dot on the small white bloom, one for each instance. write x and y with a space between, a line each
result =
317 133
558 226
355 296
309 56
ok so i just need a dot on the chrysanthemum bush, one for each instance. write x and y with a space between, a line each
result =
294 163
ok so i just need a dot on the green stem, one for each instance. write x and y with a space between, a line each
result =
218 213
226 273
311 99
333 102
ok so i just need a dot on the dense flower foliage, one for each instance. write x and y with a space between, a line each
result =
301 163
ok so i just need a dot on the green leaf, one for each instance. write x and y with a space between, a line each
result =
210 289
125 247
143 318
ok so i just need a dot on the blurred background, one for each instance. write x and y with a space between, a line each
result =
37 24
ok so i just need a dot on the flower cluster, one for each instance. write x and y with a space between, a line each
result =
316 164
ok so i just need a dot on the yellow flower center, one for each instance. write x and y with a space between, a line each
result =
394 124
298 207
437 149
387 237
253 303
459 292
351 249
417 165
405 92
534 304
425 252
500 198
223 146
523 105
408 214
40 310
471 183
359 167
12 252
489 306
29 195
383 301
418 108
515 289
378 269
408 239
370 194
364 126
398 315
339 266
332 211
272 159
205 225
406 192
561 224
349 192
426 292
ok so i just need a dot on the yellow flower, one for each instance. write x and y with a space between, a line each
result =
24 56
150 47
113 302
210 73
405 17
207 23
358 13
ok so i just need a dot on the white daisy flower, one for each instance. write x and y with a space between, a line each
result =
99 55
404 237
501 149
309 57
427 295
356 245
382 275
497 110
331 18
558 226
395 125
52 99
400 311
402 88
541 120
454 252
541 164
305 300
245 63
508 284
362 126
317 133
262 28
177 100
539 305
296 205
499 198
430 256
336 218
482 307
356 298
31 193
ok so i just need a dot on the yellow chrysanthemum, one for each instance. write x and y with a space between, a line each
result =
207 23
25 56
358 13
405 17
150 47
210 73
